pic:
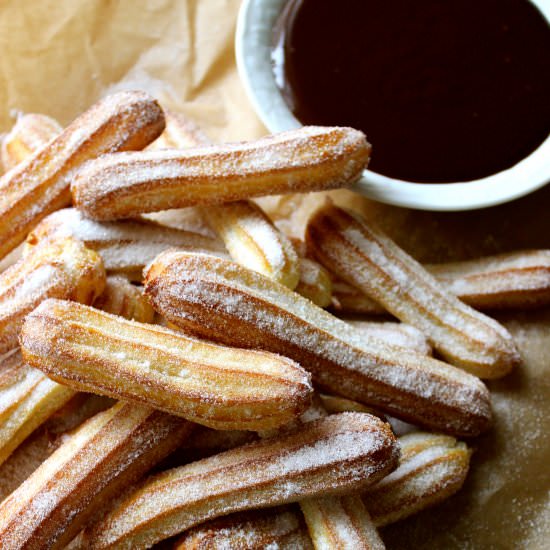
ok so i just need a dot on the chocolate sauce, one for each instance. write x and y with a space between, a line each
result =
446 90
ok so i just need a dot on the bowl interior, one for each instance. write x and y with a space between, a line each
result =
254 51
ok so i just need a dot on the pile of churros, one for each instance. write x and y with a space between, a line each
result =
258 391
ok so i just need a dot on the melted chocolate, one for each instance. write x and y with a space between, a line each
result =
446 90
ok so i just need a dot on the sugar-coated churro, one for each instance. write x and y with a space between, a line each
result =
125 247
275 528
342 523
90 350
64 268
29 134
27 399
368 259
512 280
505 281
432 468
253 241
315 283
329 456
121 297
308 159
40 184
225 302
109 451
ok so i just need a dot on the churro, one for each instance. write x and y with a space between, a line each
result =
40 184
342 523
225 302
372 262
329 456
27 399
315 283
125 247
109 451
254 242
120 297
277 528
29 134
308 159
90 350
505 281
432 468
64 268
512 280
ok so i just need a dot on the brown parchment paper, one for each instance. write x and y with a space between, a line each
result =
59 56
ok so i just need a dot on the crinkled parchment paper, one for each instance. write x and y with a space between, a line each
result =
59 56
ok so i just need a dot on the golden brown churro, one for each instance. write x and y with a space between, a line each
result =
308 159
253 241
64 268
225 302
29 134
27 399
315 283
368 259
40 184
125 247
276 528
109 451
180 133
432 468
342 523
513 280
90 350
120 297
331 455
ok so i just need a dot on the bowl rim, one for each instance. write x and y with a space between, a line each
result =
253 49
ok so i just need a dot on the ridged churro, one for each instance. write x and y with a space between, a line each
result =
121 297
40 184
331 455
342 523
109 451
368 259
64 268
276 528
125 247
395 334
253 241
512 280
27 399
90 350
315 283
308 159
505 281
29 134
225 302
432 468
335 404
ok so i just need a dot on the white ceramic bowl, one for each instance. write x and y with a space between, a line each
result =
253 50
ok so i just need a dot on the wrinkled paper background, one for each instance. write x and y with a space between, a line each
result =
58 56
